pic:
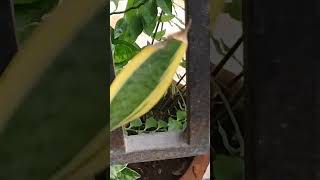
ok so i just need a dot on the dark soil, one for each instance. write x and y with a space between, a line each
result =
171 169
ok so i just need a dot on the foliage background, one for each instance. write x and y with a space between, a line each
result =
65 110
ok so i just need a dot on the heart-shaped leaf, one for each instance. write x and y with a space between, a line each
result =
160 34
128 174
151 123
148 13
128 28
166 17
165 5
181 115
123 51
162 124
115 169
174 125
149 74
136 123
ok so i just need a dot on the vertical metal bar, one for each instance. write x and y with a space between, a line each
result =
283 83
8 41
198 73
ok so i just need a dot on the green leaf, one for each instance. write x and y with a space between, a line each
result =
132 4
162 124
234 9
184 126
149 75
123 51
165 5
128 29
148 13
27 13
119 66
181 115
112 35
166 17
174 125
135 3
151 123
115 169
128 174
136 123
35 122
160 34
134 28
130 26
228 168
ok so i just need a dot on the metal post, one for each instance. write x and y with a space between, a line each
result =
283 83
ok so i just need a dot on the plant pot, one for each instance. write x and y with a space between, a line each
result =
171 169
197 168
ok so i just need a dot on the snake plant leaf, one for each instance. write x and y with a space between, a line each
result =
149 75
151 123
49 127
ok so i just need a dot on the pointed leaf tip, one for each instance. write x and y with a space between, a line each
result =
182 35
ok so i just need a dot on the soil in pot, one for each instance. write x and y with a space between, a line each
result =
171 169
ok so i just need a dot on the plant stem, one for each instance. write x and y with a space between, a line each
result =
158 23
181 79
235 79
225 140
234 102
174 100
227 56
129 9
232 117
178 5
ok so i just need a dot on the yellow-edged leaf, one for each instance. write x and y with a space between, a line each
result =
144 81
